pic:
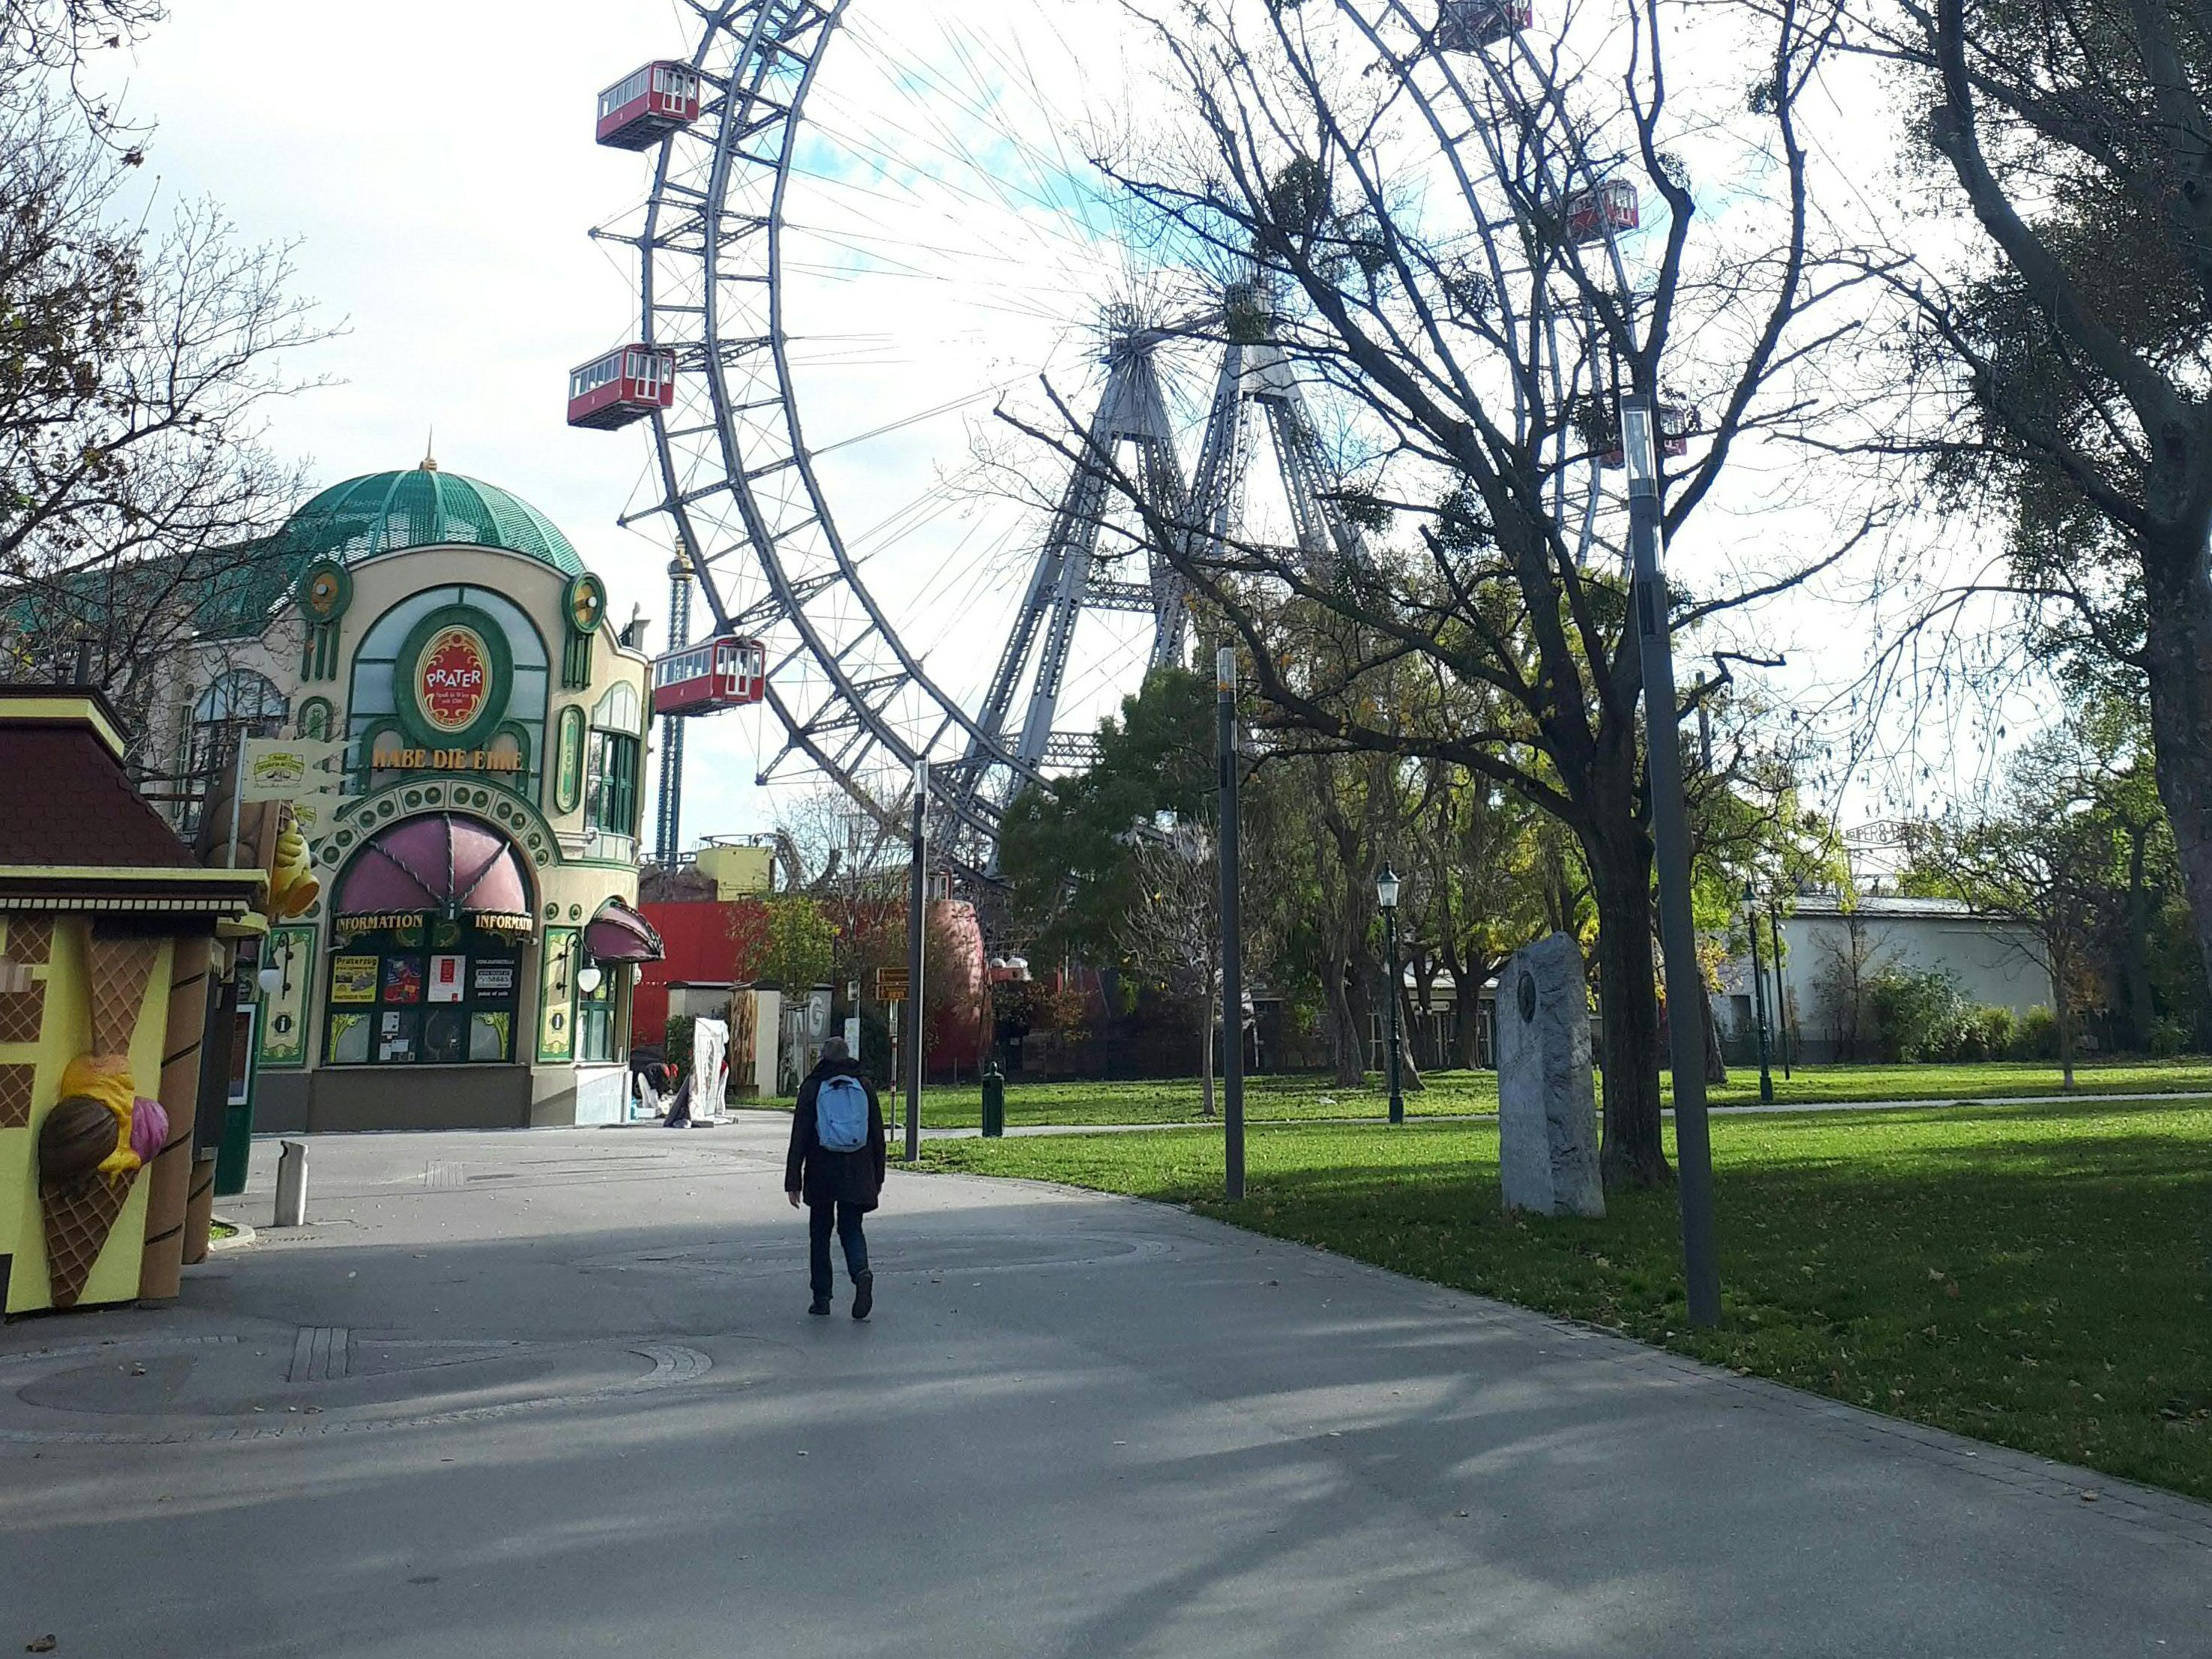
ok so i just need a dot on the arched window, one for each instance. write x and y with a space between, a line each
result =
610 793
237 703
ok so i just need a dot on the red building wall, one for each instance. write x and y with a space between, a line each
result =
719 943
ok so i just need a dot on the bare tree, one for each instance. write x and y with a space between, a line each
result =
135 488
1846 978
1438 231
2066 343
2041 855
1170 931
55 38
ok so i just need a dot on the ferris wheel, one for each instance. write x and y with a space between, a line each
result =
915 216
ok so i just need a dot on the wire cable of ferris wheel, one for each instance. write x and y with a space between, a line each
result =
934 137
1019 294
1075 258
930 413
1052 239
875 245
917 80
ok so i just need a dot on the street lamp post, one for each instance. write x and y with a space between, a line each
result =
916 920
1759 997
1232 950
1671 835
1386 892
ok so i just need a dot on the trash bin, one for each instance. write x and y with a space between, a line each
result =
994 1102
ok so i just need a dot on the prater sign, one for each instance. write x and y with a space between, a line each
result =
451 684
453 678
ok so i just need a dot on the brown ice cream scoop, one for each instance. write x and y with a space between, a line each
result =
76 1135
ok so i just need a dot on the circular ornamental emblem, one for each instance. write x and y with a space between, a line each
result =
453 679
588 604
326 589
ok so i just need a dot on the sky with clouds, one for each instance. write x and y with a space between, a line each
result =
434 164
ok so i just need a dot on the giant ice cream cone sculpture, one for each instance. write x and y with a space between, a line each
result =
121 970
80 1202
78 1221
86 1158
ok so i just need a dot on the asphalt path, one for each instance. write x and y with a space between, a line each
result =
556 1394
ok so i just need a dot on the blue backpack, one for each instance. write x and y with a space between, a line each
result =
841 1115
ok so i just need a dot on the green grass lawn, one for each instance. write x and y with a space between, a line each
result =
1449 1094
2033 1275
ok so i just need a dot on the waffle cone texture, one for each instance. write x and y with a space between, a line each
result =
121 968
79 1218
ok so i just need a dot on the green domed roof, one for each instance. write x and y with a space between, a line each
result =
387 512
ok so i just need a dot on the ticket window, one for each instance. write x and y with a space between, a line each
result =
438 993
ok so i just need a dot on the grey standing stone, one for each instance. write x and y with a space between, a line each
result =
1546 1098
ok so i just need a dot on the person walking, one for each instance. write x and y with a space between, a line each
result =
836 1167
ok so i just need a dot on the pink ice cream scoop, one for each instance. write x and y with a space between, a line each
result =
149 1128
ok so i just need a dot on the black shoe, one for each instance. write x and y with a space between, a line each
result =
863 1295
819 1306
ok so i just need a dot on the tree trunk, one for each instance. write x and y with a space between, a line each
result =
1715 1061
2178 662
1409 1063
1205 1056
1631 1154
1466 1017
2065 1027
2134 950
1347 1043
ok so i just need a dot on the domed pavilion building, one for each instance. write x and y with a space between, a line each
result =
469 960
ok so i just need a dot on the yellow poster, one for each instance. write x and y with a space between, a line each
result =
353 979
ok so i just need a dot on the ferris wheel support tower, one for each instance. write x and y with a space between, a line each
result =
711 369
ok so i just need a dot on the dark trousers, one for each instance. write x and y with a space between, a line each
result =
847 1218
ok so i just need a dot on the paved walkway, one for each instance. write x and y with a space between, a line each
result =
555 1395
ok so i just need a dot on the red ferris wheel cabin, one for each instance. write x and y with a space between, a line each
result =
1594 215
623 386
723 673
644 107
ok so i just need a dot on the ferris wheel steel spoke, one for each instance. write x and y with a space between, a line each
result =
1019 234
711 256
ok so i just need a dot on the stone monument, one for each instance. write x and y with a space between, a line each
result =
1547 1101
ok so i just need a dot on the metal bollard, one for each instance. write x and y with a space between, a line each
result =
994 1102
292 1185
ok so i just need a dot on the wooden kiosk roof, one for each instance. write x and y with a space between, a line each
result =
75 835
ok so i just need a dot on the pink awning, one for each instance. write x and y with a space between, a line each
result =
618 934
438 864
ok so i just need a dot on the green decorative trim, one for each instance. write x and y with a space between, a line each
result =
569 760
292 1006
583 601
316 718
364 766
357 818
406 677
326 590
561 955
518 783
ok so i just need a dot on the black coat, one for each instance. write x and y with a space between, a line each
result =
823 1177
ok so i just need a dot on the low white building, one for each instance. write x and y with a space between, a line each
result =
1833 949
